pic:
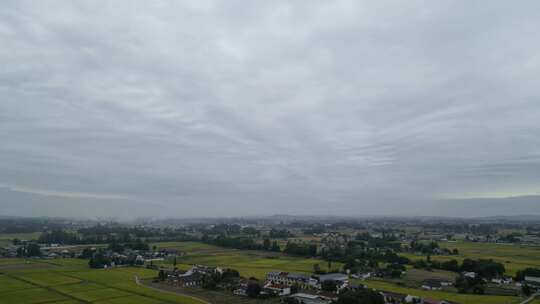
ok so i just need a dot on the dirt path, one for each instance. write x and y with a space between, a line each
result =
138 282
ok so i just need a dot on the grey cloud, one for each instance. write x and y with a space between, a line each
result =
249 108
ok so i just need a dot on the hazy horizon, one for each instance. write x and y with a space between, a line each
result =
232 108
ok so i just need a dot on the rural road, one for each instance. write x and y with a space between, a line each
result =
138 282
532 297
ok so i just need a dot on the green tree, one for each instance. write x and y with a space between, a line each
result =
275 247
161 275
253 289
526 289
329 285
266 244
30 250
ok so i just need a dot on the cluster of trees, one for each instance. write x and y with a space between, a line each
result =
474 285
87 253
59 236
386 241
363 260
270 245
253 289
394 270
137 244
300 249
484 268
314 229
103 234
245 243
329 285
25 225
317 268
29 250
211 281
520 276
280 233
226 229
250 231
466 228
527 272
100 260
511 238
451 265
241 242
425 248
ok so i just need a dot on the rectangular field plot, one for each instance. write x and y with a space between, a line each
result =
105 277
129 300
48 279
78 287
8 284
70 283
165 297
13 261
31 296
100 294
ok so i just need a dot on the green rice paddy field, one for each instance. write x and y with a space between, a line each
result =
514 257
71 281
68 281
248 263
442 295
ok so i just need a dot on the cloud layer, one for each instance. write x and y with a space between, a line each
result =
236 108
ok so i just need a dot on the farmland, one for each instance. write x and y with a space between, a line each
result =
71 281
7 238
49 274
248 263
460 298
257 264
513 257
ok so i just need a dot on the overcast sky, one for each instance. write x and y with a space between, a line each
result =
221 108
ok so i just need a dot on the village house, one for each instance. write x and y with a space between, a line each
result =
502 281
191 278
277 289
469 274
361 275
435 284
241 287
533 282
341 279
393 297
290 278
412 299
333 241
310 298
